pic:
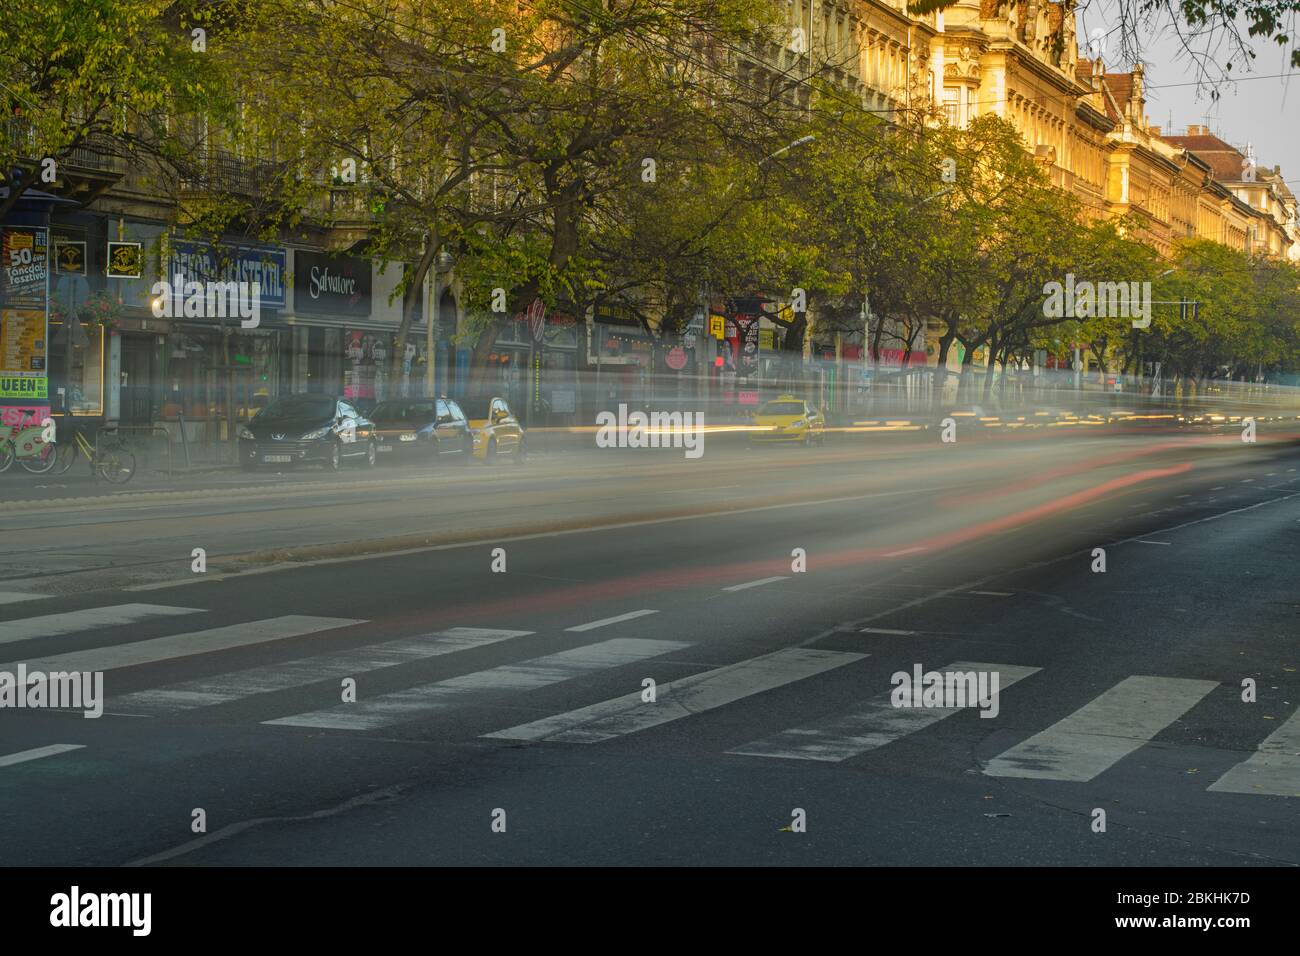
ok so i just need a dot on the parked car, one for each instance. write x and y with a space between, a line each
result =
423 429
496 430
307 429
788 418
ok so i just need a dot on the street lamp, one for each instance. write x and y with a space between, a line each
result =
433 328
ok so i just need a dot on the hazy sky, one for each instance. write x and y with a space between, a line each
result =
1260 106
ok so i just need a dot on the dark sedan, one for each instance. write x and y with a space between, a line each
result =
307 430
422 429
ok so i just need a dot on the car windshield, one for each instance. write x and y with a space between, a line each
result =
782 408
404 412
297 406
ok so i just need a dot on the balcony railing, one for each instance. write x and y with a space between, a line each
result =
218 170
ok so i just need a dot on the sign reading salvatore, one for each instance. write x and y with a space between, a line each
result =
339 285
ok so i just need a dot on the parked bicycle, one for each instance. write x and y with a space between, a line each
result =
27 445
108 457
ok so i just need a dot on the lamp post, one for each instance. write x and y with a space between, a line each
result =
433 328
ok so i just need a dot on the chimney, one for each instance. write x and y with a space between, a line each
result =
1155 130
1196 130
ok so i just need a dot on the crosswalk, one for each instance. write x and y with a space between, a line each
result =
847 720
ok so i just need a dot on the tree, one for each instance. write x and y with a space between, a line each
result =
106 74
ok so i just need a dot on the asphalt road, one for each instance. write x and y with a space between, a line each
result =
517 698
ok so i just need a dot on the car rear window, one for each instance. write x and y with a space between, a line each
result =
403 412
298 406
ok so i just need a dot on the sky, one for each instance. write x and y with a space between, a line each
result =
1262 106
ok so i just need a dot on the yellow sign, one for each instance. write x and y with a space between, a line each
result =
767 338
22 340
27 386
717 326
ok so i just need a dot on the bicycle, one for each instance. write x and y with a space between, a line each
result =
109 458
27 446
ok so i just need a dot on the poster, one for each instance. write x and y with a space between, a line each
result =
23 267
22 341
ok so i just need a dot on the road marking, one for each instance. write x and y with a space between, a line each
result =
1106 729
414 702
758 583
682 698
1246 481
995 593
1274 769
1182 496
8 760
185 645
882 630
605 621
14 597
70 622
1143 541
238 685
895 554
1217 488
873 724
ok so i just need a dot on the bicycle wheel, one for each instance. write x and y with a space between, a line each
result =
43 462
115 464
65 455
6 454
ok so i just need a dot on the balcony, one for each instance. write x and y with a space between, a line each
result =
221 171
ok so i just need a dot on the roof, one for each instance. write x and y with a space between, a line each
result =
1224 159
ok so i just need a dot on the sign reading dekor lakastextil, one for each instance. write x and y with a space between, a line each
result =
333 285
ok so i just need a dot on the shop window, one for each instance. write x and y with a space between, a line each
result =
76 368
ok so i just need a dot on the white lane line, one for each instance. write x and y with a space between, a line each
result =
1182 496
1143 541
414 702
895 554
238 685
185 645
994 593
1274 769
873 724
681 698
759 583
882 630
1246 481
14 597
8 760
1217 488
70 622
1102 732
606 621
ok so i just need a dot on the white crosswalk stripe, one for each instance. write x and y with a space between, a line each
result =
1273 770
90 619
1103 731
415 702
873 724
238 685
185 645
682 698
8 760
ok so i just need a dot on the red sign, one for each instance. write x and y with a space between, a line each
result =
676 358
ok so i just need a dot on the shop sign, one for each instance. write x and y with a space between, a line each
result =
202 262
125 260
339 285
69 258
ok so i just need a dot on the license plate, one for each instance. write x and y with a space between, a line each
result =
278 459
385 447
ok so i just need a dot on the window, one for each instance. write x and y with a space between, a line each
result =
951 106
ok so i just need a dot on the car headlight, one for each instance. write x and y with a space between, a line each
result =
244 433
318 433
407 436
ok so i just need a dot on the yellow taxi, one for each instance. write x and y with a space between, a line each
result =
788 418
497 432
